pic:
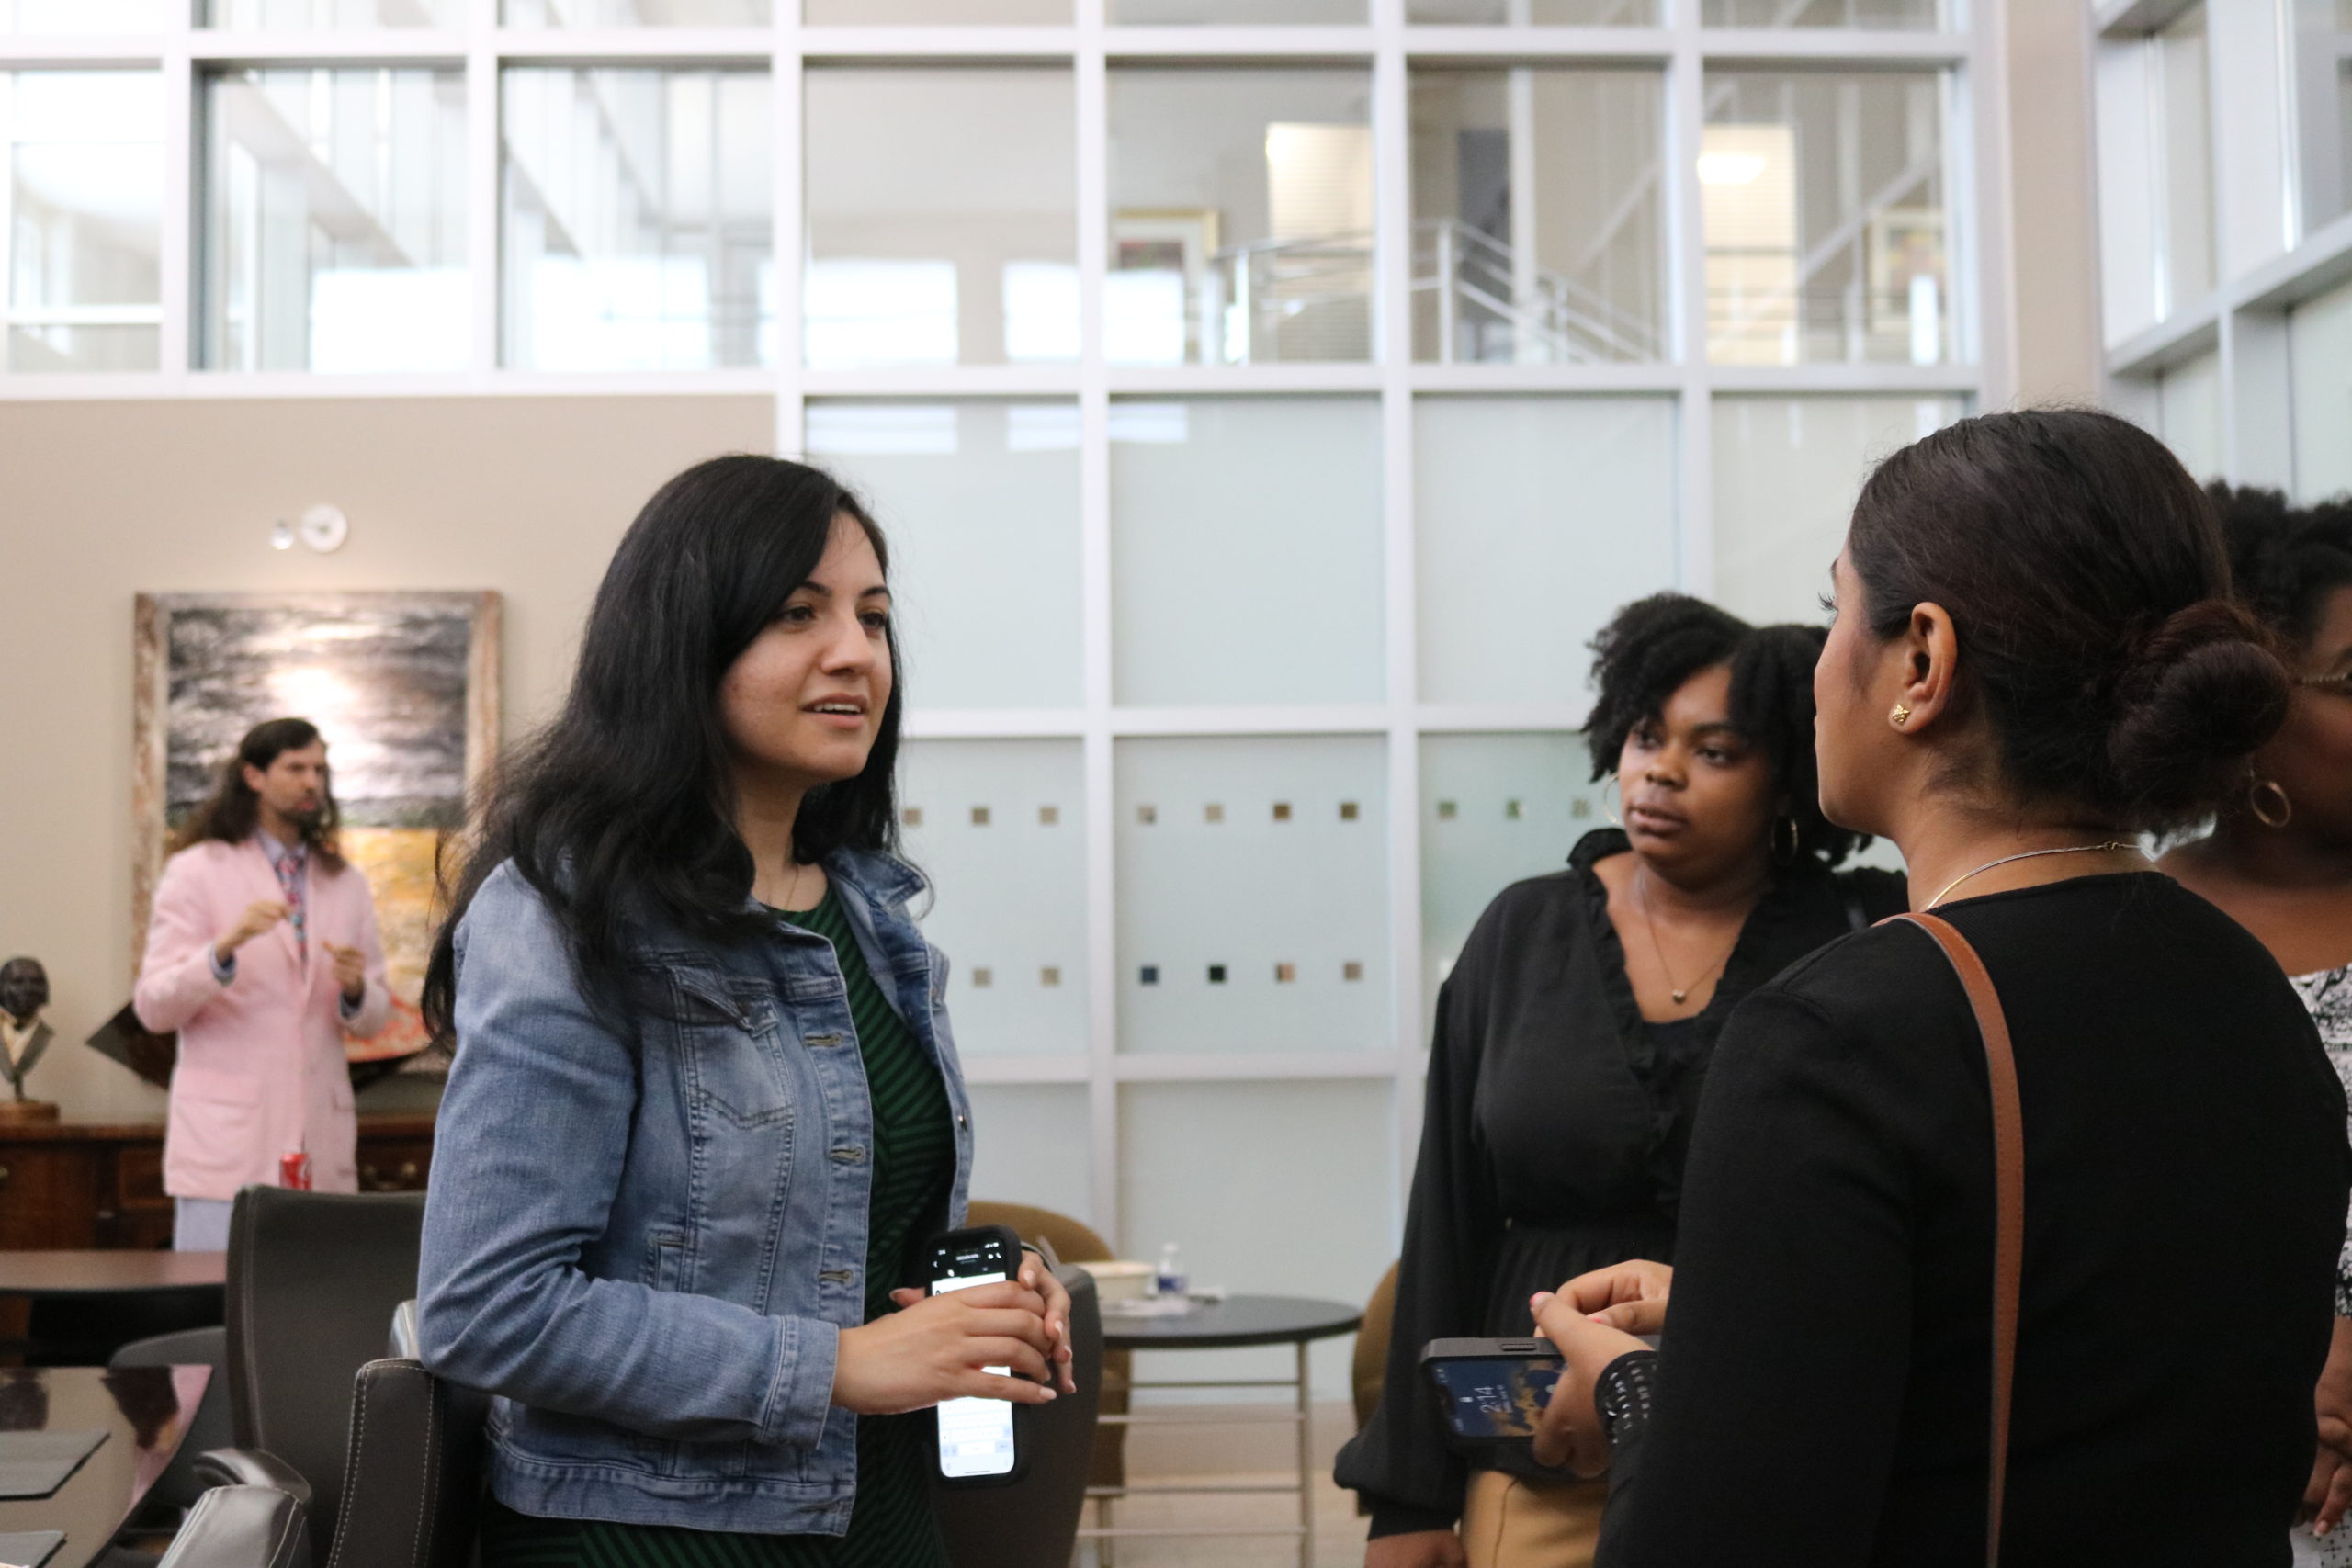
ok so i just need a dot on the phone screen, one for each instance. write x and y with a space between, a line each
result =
1500 1397
975 1435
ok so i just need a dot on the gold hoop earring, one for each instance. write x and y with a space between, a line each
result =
1615 820
2278 816
1901 715
1795 841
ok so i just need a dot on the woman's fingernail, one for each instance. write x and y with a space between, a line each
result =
1539 1298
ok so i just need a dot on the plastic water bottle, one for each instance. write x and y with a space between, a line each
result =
1172 1281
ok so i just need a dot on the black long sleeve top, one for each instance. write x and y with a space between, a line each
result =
1822 1397
1552 1137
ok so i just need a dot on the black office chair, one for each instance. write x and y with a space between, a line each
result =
179 1486
313 1278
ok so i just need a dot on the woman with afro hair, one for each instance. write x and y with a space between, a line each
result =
2278 859
1572 1036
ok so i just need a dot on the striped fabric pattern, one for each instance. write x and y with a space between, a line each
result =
914 1166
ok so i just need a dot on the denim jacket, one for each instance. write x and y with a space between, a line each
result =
647 1248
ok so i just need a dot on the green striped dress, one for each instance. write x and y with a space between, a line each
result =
914 1166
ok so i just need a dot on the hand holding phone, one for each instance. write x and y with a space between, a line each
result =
944 1348
980 1440
1493 1388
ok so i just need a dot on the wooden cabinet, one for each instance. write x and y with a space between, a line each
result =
83 1185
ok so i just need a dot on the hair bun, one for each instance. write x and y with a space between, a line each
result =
2201 691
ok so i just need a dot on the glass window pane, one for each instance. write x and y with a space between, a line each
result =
1031 1145
1534 518
2323 107
1166 12
1495 809
335 220
1275 1187
2320 352
86 192
999 827
1822 12
1787 471
1241 217
1822 195
1571 268
1537 13
86 16
2188 414
639 13
935 12
1246 551
638 231
2185 108
293 15
1253 894
943 223
979 502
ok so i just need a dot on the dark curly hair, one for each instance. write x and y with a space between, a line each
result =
1652 646
2284 559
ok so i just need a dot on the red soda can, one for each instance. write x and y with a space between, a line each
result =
294 1170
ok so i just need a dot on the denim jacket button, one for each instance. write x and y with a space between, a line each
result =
837 1276
849 1155
824 1039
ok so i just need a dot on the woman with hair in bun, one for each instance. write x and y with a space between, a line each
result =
2035 660
1572 1036
2278 859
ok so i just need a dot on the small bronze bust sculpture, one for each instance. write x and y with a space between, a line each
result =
23 991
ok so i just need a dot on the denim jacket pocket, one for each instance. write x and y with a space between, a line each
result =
729 1047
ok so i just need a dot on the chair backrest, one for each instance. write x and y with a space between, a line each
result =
314 1278
1074 1241
208 1428
1370 1372
239 1526
412 1492
1033 1522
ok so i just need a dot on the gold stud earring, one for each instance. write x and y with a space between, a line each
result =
1901 715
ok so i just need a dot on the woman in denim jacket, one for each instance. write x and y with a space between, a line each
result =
705 1109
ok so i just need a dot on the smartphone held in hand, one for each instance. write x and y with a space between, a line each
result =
1493 1388
979 1440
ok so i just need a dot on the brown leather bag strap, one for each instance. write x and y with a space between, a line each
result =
2008 1196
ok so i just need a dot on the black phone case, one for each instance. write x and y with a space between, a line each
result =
1439 1351
1022 1414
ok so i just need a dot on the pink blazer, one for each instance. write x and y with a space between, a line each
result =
262 1070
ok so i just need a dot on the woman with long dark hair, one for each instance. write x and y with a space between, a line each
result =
2279 858
2035 660
705 1109
1573 1035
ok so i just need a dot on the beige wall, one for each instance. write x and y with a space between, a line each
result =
103 500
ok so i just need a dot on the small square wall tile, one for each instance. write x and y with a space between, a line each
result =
983 977
1048 815
979 816
1351 970
1217 974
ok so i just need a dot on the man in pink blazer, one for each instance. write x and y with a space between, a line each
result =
262 952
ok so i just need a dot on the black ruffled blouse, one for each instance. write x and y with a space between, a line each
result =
1553 1136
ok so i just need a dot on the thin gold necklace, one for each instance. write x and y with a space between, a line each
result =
1642 902
2029 855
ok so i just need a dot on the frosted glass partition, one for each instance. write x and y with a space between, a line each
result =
1911 13
979 503
2323 67
935 12
1539 225
1253 894
1149 13
1822 198
1495 809
999 829
1787 471
324 15
84 218
1241 217
1282 1188
2320 339
1535 518
2188 414
638 231
335 220
943 225
86 16
639 13
1244 551
1030 1146
1539 13
2185 146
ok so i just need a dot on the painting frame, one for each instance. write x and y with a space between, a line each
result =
154 614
